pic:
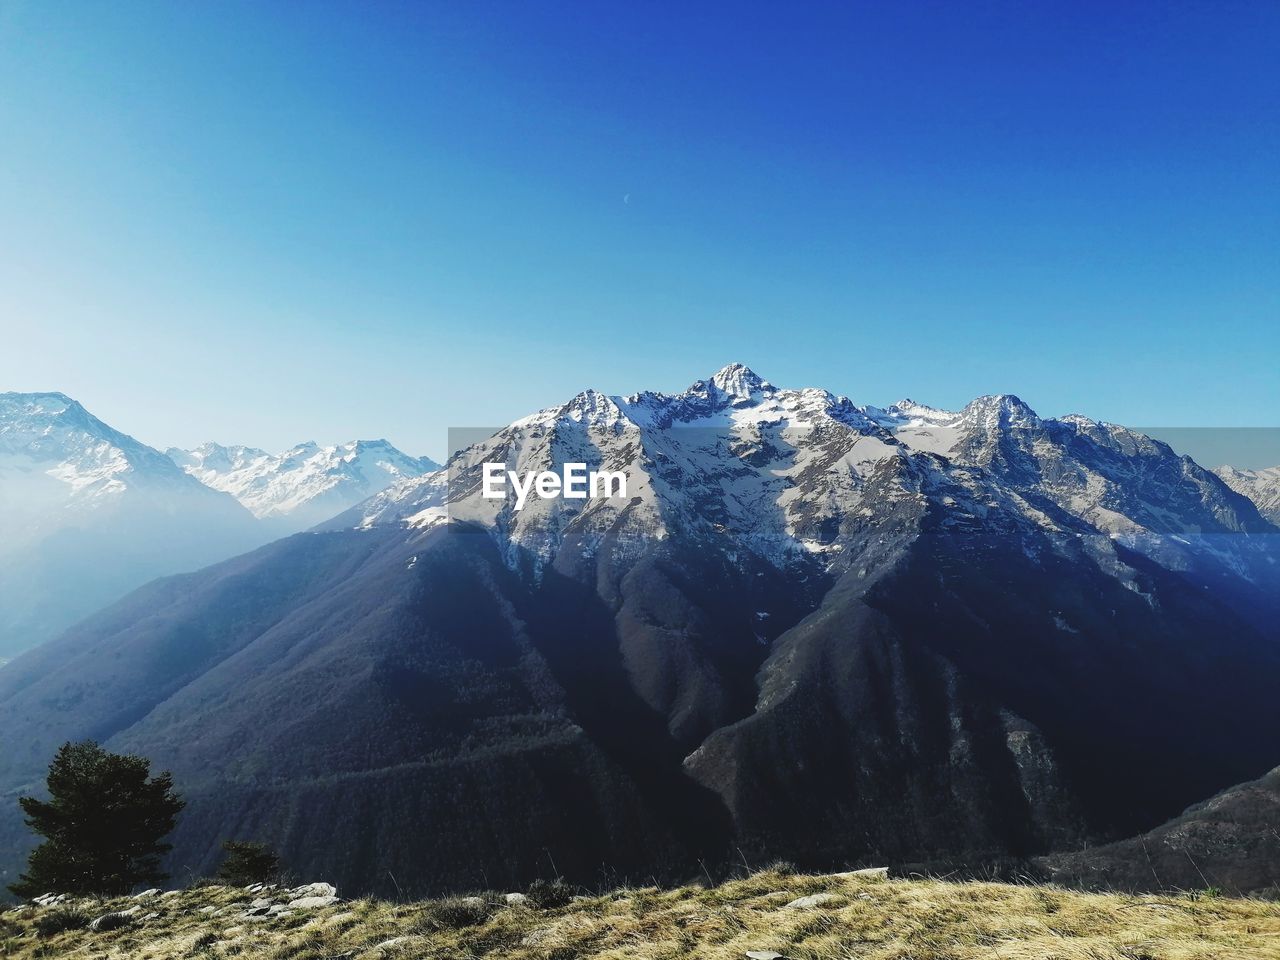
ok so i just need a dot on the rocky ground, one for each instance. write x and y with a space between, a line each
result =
769 915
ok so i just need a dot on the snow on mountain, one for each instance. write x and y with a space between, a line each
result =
800 476
305 484
59 463
87 512
1260 486
62 465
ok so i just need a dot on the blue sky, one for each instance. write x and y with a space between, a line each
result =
267 223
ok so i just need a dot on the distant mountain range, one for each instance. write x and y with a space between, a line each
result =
88 513
1260 486
812 630
304 485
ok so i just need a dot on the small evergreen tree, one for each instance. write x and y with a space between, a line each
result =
247 862
102 825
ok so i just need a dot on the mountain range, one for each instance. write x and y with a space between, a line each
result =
88 513
305 484
1260 486
813 630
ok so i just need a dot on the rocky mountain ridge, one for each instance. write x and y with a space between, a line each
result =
1260 486
305 484
785 468
1228 842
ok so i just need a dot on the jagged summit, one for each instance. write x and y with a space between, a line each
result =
908 409
211 456
739 380
795 467
1003 409
1262 487
307 483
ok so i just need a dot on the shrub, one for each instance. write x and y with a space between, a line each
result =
549 894
206 939
61 919
457 913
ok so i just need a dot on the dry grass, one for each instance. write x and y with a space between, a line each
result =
872 919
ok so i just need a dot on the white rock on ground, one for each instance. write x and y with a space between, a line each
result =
314 890
113 921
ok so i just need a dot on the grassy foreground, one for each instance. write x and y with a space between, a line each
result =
861 918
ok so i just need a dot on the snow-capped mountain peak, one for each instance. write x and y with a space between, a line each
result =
908 409
215 457
591 406
739 381
305 484
999 411
49 437
88 512
1260 486
804 473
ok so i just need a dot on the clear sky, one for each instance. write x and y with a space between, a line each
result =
265 223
